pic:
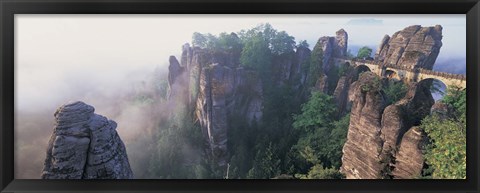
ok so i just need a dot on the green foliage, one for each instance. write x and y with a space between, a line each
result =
199 40
373 85
322 138
324 144
315 66
278 42
168 161
319 172
394 90
224 42
282 43
303 43
317 112
338 137
364 52
256 54
446 154
457 98
266 164
208 41
229 42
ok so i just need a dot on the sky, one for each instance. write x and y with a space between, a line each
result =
54 52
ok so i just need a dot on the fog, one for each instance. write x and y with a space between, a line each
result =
108 60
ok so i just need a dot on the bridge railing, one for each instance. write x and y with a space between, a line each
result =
415 70
443 74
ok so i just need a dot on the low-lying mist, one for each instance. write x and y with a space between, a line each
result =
136 102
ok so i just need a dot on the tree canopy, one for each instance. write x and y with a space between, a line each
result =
364 52
446 153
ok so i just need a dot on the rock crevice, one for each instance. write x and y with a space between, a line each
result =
85 145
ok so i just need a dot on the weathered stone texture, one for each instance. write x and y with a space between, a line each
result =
222 92
85 145
409 160
412 47
361 152
360 161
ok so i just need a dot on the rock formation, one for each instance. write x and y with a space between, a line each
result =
85 145
333 47
361 152
302 57
409 160
409 111
223 92
376 132
176 79
341 43
217 88
392 146
412 47
341 95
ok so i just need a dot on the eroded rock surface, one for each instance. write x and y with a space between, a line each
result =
361 152
413 47
376 132
332 47
85 145
226 92
409 159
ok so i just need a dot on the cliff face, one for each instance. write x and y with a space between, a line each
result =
361 152
217 89
223 92
302 57
409 159
412 47
85 145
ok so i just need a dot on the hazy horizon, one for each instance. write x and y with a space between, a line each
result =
55 51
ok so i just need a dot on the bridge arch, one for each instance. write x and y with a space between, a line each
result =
359 69
392 75
438 88
447 79
362 68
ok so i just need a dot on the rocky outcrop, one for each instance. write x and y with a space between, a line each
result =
322 84
282 73
302 58
404 114
409 160
217 88
216 85
224 91
442 110
341 43
341 94
361 152
412 47
176 78
372 144
85 145
332 47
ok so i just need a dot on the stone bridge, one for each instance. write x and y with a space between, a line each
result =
406 74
